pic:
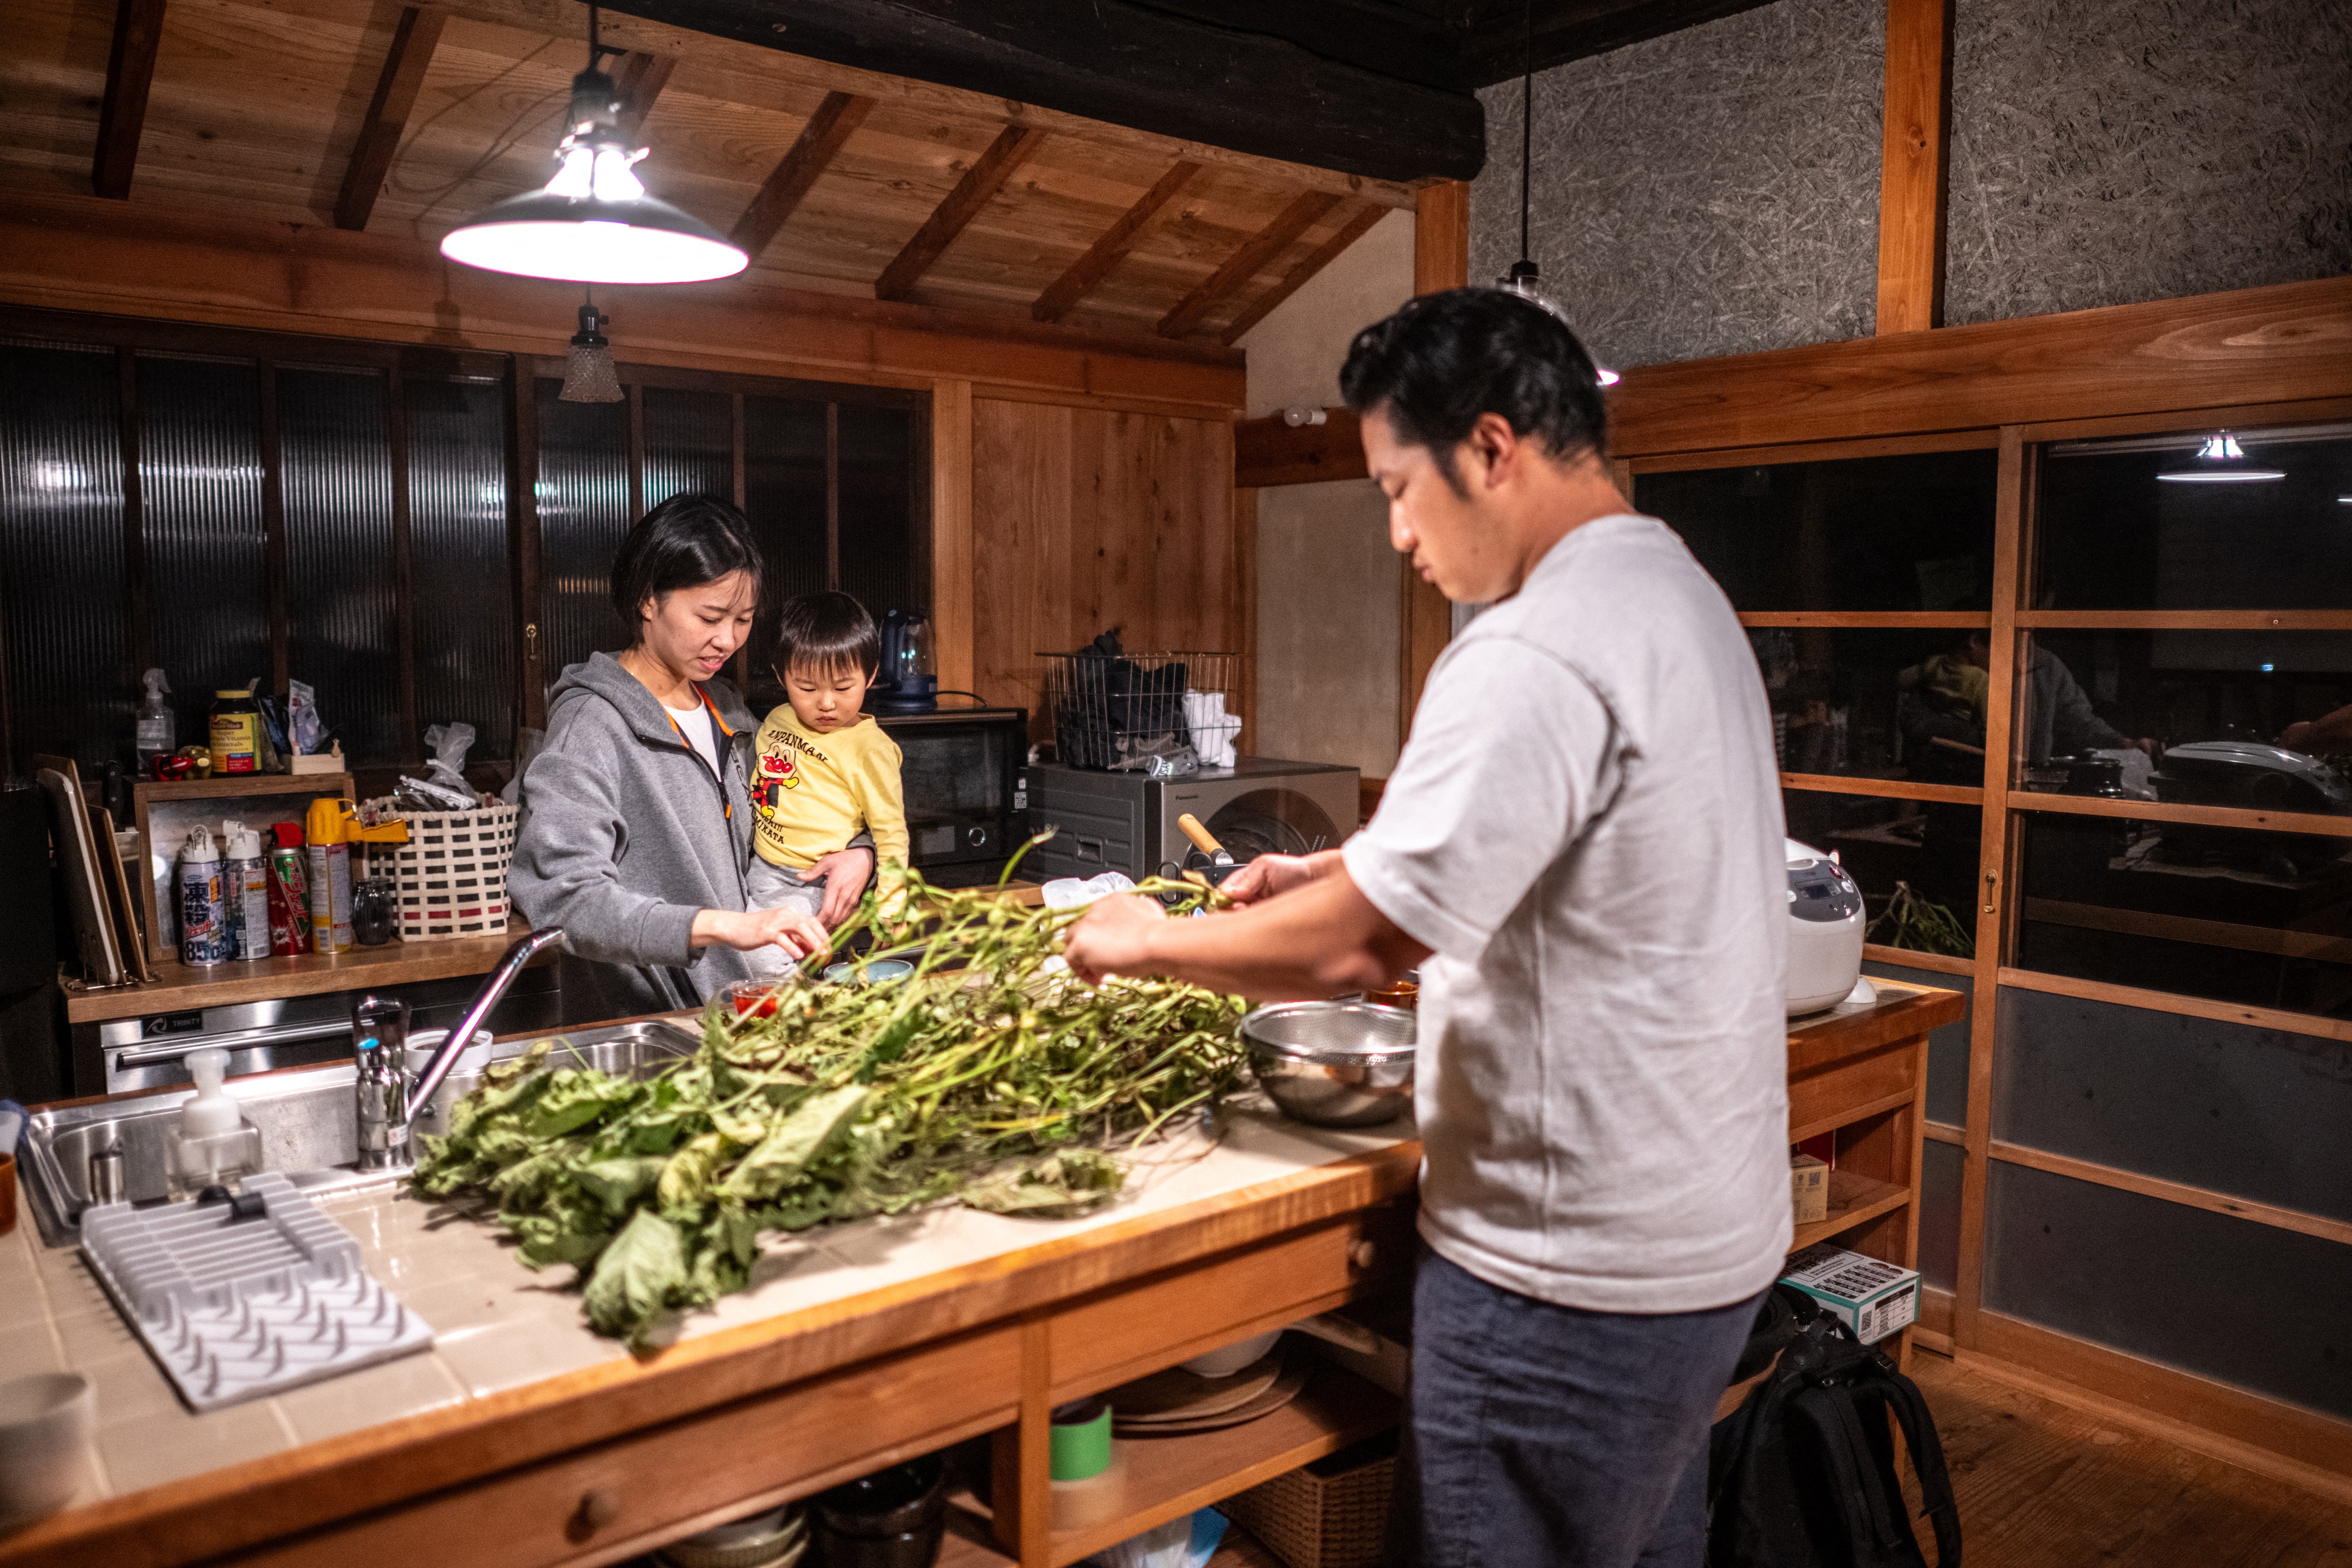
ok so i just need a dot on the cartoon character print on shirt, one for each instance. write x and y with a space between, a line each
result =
777 775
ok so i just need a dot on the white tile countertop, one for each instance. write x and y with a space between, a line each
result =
499 1326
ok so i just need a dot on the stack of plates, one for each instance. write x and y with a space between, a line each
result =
1169 1403
777 1539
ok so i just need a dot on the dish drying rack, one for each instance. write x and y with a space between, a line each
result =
238 1305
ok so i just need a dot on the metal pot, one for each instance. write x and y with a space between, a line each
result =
1333 1064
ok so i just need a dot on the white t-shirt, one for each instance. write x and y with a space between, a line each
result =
1586 828
694 723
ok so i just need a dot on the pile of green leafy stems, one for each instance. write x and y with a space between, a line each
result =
981 1077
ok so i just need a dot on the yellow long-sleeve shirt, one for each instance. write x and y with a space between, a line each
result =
811 793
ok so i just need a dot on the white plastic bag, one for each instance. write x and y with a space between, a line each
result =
1187 1542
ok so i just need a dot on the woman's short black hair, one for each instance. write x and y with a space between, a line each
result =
1444 359
684 542
831 633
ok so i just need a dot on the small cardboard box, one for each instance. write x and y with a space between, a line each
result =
1871 1298
1809 1188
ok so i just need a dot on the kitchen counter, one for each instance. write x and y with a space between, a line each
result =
522 1438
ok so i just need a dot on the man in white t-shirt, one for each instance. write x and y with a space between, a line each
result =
1580 848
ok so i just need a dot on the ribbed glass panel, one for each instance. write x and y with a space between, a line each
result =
61 553
878 523
458 550
584 514
689 444
207 557
783 494
334 456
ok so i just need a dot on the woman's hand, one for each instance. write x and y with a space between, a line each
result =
846 873
1270 875
1113 938
748 931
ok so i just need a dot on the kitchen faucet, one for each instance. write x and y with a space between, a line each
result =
384 1100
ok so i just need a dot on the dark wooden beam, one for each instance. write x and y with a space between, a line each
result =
790 180
1013 147
1117 240
413 43
129 72
1243 264
1226 84
1271 451
640 80
1325 254
1498 47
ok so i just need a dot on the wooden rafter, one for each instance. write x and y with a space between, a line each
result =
819 141
413 40
1257 309
1243 265
640 80
1107 252
1013 146
129 72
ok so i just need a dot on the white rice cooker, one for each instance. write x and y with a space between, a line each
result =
1825 925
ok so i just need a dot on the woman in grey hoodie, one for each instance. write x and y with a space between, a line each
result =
637 823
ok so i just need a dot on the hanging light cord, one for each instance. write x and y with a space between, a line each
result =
1526 113
596 50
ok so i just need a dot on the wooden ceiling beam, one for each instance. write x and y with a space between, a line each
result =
1243 265
1107 252
1325 254
1013 146
130 73
789 180
640 80
414 39
751 74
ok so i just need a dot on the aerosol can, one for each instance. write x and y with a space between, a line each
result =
205 935
246 876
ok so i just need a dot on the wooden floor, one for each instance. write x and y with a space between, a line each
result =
2043 1484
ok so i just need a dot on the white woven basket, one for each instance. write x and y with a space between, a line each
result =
451 875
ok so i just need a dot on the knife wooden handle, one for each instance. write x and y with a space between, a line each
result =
1202 839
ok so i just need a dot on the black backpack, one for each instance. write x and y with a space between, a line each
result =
1802 1474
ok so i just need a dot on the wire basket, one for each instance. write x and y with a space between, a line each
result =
1156 713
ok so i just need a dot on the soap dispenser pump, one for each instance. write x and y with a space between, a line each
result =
214 1145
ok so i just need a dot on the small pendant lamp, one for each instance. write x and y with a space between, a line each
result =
588 373
593 222
1525 279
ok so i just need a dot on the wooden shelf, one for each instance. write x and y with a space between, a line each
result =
968 1544
1854 1199
178 988
1153 1479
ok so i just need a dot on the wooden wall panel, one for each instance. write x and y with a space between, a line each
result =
1084 519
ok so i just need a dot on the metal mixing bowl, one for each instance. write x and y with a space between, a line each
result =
1334 1064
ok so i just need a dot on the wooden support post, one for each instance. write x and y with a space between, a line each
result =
1304 211
819 141
1440 259
639 81
1292 281
1117 240
1013 146
1912 164
413 43
953 610
129 72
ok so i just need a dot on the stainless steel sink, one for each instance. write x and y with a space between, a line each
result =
305 1116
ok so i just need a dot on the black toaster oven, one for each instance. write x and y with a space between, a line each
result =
966 781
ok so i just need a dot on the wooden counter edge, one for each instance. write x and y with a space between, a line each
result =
244 1505
304 975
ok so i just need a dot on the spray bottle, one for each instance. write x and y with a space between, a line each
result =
331 874
204 936
157 728
247 878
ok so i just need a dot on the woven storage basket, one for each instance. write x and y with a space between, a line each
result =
1333 1513
452 873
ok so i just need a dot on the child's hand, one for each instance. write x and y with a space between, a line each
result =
844 872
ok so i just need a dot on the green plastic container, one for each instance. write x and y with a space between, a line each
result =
1080 1440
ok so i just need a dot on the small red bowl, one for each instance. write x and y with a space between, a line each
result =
755 998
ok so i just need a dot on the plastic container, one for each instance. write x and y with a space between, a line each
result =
155 726
892 1519
235 732
245 877
213 1145
206 937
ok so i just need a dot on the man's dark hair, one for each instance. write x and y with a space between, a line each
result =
1444 359
684 542
831 633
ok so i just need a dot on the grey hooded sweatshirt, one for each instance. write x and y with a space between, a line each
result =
625 836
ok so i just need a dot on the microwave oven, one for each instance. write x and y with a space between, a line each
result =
965 777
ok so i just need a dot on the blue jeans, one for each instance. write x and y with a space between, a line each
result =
1546 1436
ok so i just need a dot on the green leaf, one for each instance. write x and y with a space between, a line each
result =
618 1183
686 1176
797 1141
1060 1186
574 1098
641 1268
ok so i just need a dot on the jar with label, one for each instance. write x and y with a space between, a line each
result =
236 733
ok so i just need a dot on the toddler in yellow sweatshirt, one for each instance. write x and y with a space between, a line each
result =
825 773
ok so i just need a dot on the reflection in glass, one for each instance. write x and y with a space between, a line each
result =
784 495
1908 532
1888 704
583 515
334 454
1915 861
2231 913
457 547
2114 535
878 549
